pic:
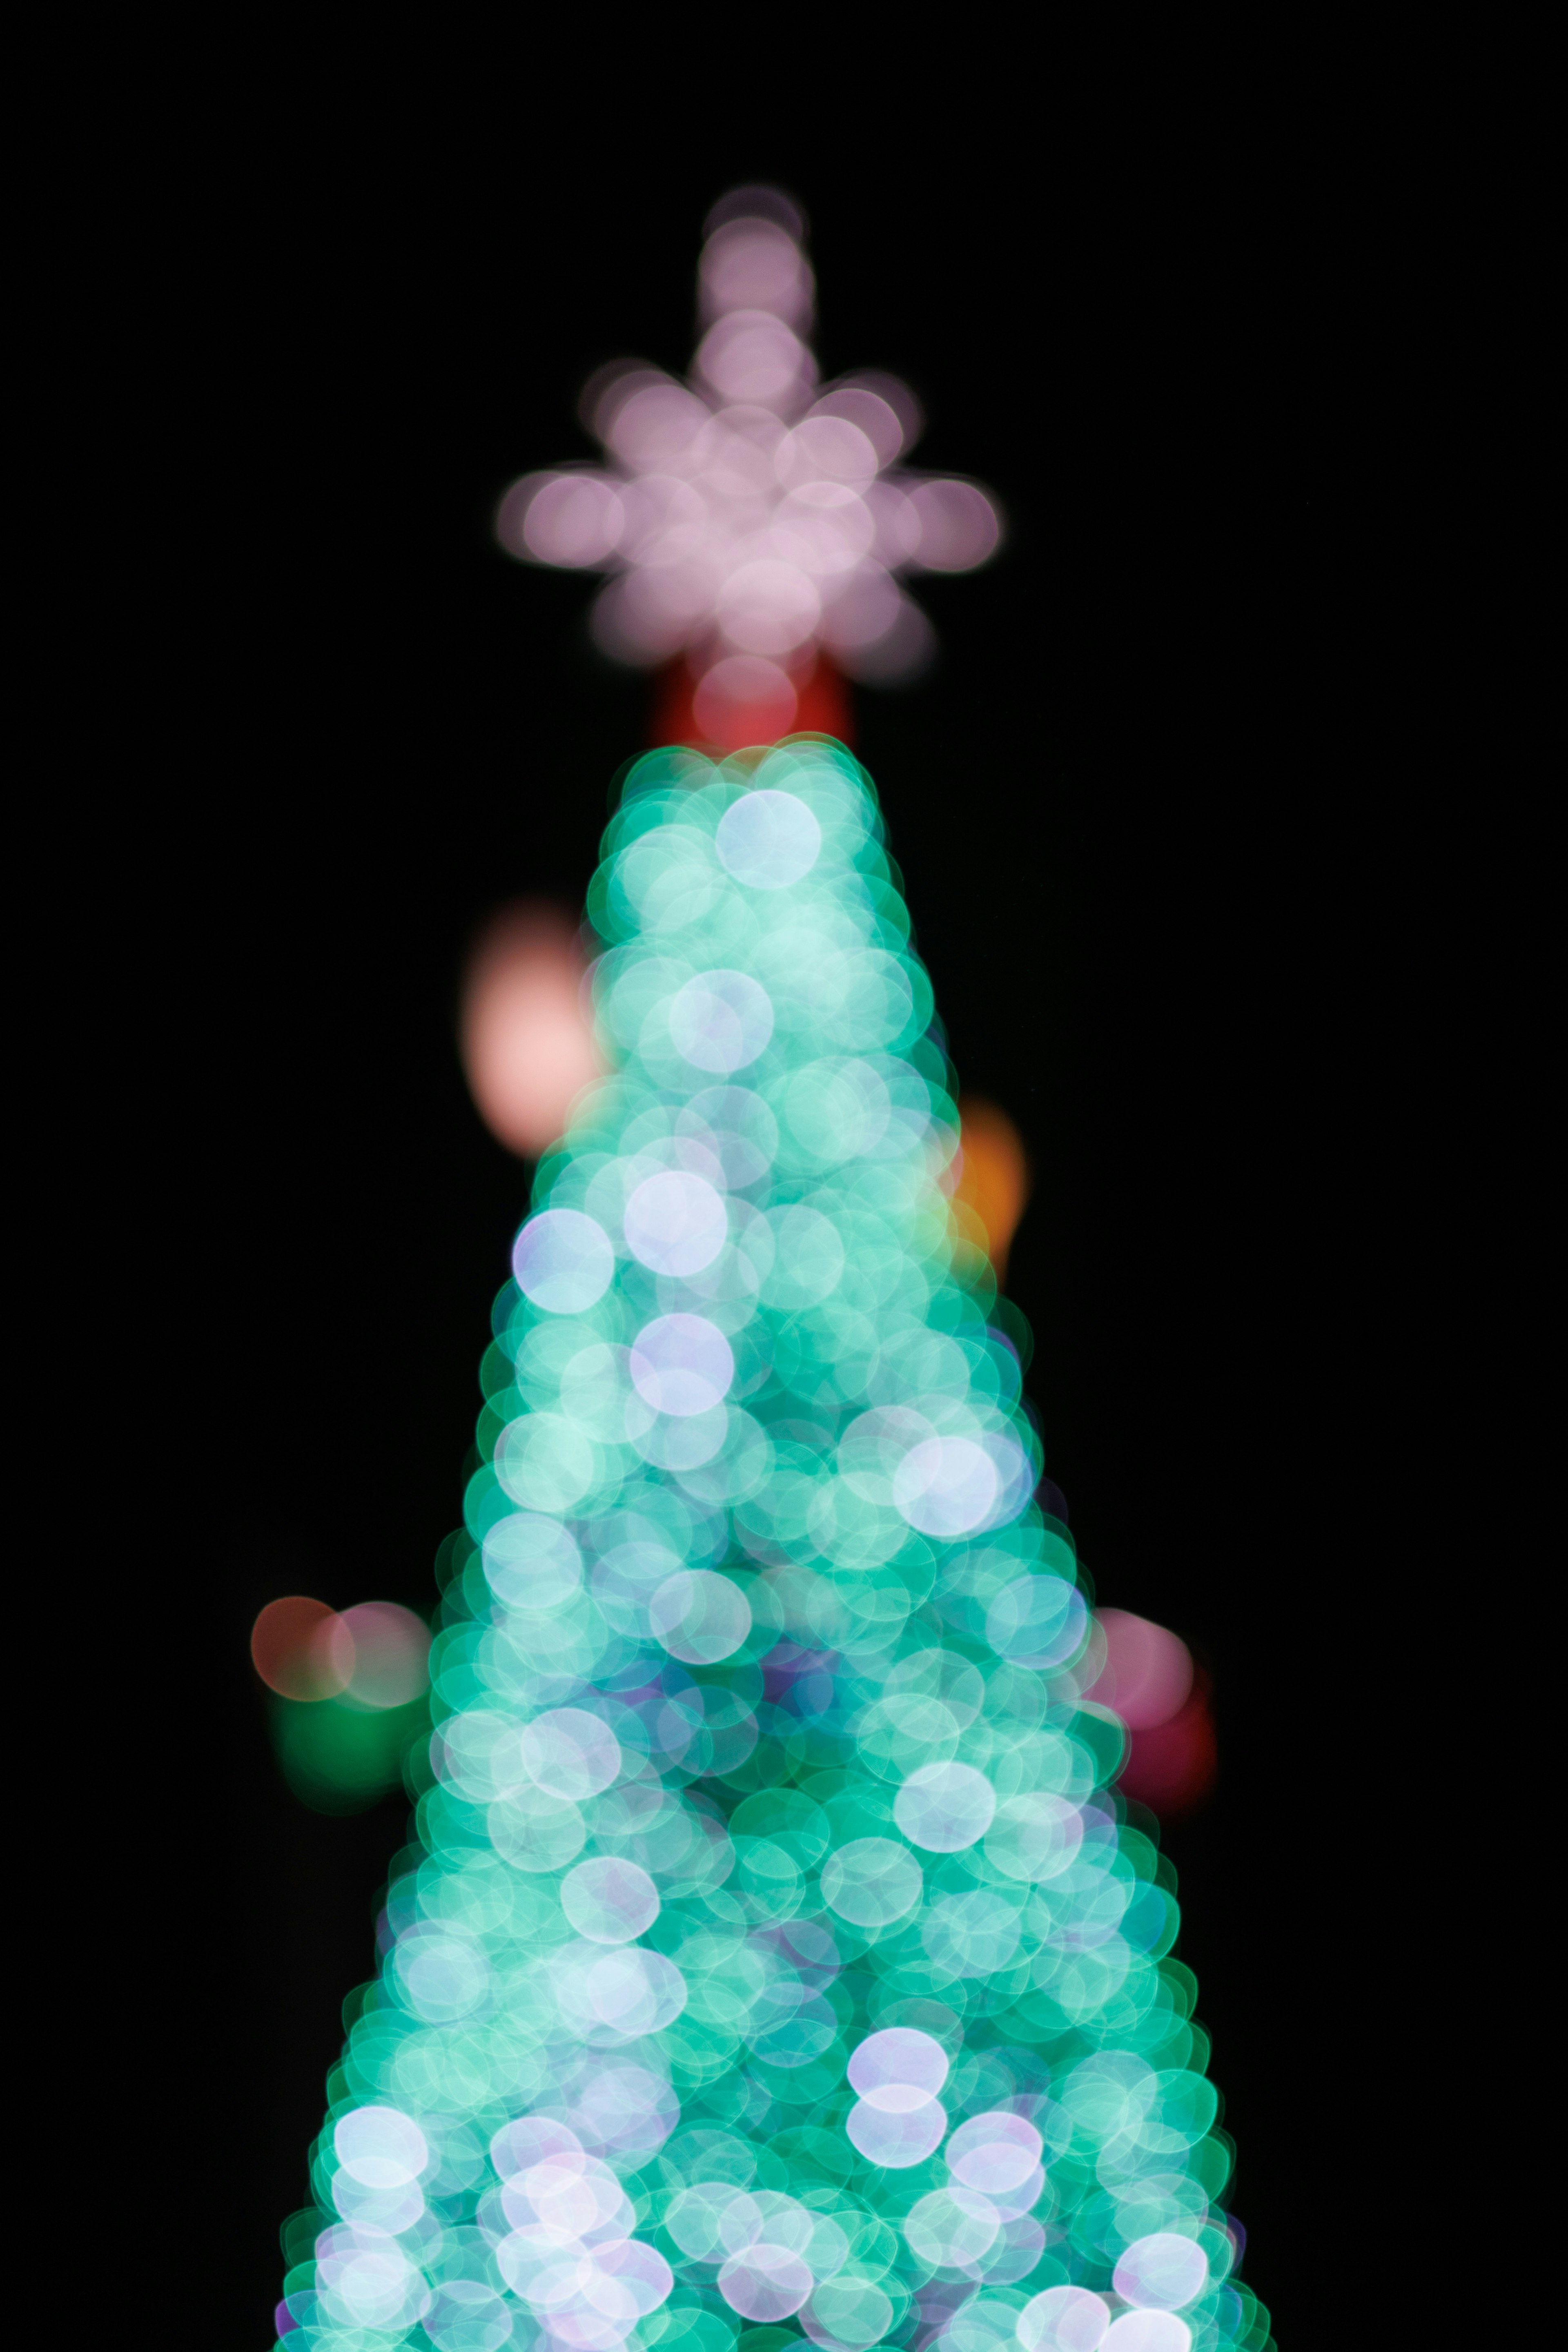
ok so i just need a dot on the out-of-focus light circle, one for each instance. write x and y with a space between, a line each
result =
290 1648
1163 2272
562 1261
847 2311
544 1462
872 1447
639 2274
744 699
1034 1836
750 356
681 1364
897 2140
721 1022
527 1040
1147 2331
863 610
994 2153
994 1179
630 1992
1064 2319
530 2140
1037 1621
828 531
768 840
959 526
1148 1670
653 423
609 1900
945 1486
381 1652
895 524
901 653
531 1561
828 448
951 2227
768 607
944 1807
765 2283
875 633
625 2107
898 2069
570 1753
676 1223
1172 1767
569 518
700 1617
609 387
380 2147
755 265
895 394
757 201
871 412
871 1882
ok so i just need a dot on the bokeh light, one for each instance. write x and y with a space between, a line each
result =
1150 1681
753 521
381 1649
771 1958
527 1040
993 1182
348 1693
1148 1671
291 1649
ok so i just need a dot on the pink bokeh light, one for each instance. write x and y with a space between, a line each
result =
380 1649
1149 1679
1148 1671
527 1040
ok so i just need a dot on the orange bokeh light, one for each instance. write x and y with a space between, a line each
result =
994 1181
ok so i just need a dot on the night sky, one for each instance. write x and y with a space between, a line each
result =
1108 803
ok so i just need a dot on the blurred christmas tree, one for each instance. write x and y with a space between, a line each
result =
773 1957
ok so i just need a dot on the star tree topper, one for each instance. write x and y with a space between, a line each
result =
751 520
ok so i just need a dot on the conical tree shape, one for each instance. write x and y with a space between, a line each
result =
773 1957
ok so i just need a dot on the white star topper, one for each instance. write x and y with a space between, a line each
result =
748 518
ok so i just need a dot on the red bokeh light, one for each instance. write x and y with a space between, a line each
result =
1149 1679
1172 1767
293 1650
750 700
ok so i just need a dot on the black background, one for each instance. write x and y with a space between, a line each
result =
1114 804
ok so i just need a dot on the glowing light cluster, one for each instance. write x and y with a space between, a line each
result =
1150 1680
348 1692
750 516
772 1953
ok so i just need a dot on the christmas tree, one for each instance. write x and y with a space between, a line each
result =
771 1956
